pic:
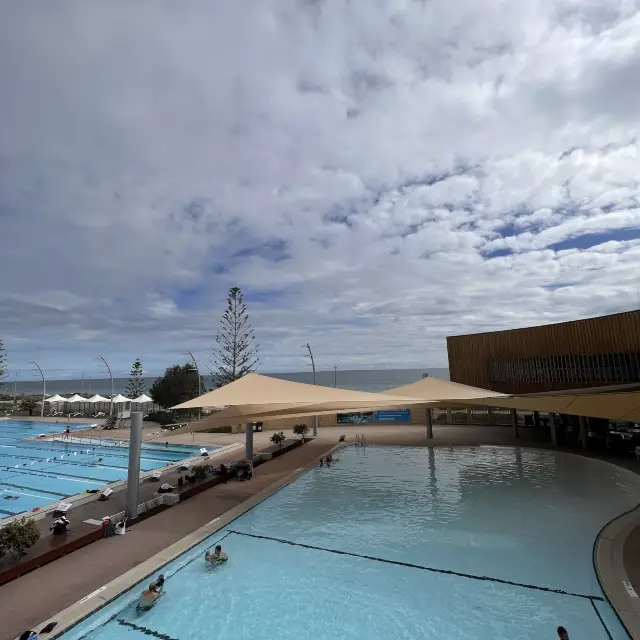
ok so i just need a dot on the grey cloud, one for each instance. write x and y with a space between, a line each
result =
150 149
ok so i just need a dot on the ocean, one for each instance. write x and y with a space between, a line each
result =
362 380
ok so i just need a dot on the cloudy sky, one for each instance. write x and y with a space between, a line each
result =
374 175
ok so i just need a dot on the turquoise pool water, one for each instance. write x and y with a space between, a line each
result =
34 473
392 542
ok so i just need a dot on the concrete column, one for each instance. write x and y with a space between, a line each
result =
449 417
514 421
489 415
133 474
582 421
429 424
536 419
469 415
553 429
248 441
315 426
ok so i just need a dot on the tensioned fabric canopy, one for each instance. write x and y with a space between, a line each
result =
56 398
612 406
143 399
256 397
428 392
76 398
433 389
119 399
257 390
97 398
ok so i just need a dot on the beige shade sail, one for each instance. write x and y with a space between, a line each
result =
613 406
433 389
255 389
222 418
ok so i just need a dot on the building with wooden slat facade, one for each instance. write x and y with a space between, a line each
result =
601 351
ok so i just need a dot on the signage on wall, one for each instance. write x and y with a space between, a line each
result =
366 417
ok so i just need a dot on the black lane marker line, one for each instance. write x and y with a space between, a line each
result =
20 486
606 629
145 630
449 572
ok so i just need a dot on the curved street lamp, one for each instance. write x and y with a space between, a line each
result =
195 364
112 391
44 387
313 366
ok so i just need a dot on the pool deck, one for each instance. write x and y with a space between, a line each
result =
112 565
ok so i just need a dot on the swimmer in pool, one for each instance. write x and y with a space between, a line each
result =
217 557
148 598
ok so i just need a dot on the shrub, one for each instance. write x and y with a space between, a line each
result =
110 423
301 430
18 536
278 438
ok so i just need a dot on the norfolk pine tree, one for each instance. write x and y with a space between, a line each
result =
236 351
136 386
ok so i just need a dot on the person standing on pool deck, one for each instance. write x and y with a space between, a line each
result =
563 634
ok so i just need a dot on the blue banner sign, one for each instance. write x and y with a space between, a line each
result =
397 415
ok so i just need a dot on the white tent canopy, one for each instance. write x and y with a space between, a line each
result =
76 398
56 398
97 398
119 399
143 399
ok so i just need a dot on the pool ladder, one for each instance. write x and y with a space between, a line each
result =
360 441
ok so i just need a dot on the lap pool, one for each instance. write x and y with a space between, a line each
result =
35 473
393 542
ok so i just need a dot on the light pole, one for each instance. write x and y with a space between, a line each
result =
112 392
195 364
313 367
335 375
44 387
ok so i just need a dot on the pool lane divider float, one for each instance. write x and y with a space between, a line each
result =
411 565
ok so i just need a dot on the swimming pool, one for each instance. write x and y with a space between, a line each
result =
393 542
34 473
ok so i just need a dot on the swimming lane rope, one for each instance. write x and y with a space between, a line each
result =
449 572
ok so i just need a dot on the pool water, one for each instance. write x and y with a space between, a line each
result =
393 542
35 473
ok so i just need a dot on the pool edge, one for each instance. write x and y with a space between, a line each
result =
93 602
608 562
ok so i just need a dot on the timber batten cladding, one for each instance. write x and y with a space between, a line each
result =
568 355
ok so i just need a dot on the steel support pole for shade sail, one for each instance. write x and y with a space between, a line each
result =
44 388
133 475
